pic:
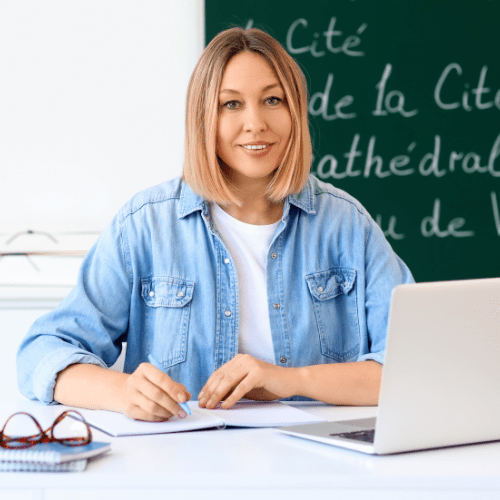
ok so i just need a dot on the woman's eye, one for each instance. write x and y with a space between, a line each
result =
274 101
231 104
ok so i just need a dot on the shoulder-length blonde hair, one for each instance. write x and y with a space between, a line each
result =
202 169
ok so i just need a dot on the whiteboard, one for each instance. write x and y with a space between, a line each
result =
92 96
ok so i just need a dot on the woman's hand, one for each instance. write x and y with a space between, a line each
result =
150 394
246 376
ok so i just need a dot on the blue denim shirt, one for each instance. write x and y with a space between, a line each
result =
160 278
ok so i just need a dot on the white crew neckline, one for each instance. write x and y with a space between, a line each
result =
243 226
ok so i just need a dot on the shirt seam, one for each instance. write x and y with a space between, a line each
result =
360 209
126 256
133 211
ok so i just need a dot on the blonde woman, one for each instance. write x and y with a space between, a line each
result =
248 277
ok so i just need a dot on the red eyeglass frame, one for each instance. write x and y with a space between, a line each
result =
46 436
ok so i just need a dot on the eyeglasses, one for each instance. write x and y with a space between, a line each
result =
30 231
47 436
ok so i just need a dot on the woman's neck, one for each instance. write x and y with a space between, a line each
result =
255 208
257 211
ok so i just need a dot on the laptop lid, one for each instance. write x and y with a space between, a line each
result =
441 375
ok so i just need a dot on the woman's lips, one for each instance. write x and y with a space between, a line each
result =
257 152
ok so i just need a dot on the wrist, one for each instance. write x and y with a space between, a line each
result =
292 382
298 377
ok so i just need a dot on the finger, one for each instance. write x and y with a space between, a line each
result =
239 392
177 391
224 387
161 389
224 375
213 385
157 396
144 408
207 390
219 376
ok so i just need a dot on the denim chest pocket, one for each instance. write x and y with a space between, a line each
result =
333 294
167 307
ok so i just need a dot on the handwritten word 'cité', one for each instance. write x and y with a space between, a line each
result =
447 92
330 41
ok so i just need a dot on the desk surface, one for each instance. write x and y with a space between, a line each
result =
219 463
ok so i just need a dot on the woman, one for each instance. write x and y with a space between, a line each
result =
246 278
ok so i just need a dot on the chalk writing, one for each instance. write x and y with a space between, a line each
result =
390 232
447 97
393 101
430 164
430 225
431 154
330 41
323 99
496 214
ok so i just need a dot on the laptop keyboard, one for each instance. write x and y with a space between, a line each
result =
365 436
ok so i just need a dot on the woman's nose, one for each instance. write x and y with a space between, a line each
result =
254 119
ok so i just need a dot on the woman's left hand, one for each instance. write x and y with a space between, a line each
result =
246 376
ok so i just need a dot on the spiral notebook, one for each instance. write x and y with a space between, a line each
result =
73 466
53 453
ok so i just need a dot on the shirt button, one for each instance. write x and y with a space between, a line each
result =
320 289
282 359
227 313
276 306
274 255
180 294
151 294
226 261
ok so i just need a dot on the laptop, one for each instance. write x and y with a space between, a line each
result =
441 378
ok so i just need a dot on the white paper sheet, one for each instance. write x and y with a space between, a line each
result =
243 414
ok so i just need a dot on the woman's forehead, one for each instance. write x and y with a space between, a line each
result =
248 71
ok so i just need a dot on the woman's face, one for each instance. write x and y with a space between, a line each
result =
254 123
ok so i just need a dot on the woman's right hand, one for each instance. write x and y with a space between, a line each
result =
146 394
150 394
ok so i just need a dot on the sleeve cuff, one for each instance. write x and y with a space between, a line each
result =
45 374
379 357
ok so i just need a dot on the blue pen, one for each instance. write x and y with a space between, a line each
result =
156 363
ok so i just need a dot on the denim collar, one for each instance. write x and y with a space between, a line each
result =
191 202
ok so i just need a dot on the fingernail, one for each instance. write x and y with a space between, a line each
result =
182 414
181 397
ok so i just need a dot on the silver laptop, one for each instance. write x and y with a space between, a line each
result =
441 377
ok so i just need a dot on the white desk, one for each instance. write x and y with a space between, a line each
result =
259 464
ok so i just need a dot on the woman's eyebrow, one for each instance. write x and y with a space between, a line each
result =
265 89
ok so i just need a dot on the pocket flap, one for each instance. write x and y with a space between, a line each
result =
328 284
165 291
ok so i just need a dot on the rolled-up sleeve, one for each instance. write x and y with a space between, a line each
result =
384 270
88 326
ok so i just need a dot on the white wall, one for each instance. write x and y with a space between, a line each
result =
92 96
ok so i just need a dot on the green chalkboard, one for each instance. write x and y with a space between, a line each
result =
404 109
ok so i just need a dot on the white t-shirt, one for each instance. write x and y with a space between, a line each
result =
248 246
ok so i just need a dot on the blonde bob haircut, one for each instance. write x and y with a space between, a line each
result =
202 170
